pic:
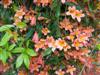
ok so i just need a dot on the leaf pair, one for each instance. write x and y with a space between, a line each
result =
24 56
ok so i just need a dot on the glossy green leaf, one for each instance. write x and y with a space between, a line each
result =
26 60
5 27
3 56
9 54
18 50
11 47
31 52
21 25
19 61
5 39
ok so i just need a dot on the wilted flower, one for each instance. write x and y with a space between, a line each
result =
65 24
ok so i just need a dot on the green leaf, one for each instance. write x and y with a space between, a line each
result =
47 52
9 54
3 55
98 46
5 27
11 47
18 50
19 61
58 10
21 24
31 52
26 60
27 43
5 38
91 6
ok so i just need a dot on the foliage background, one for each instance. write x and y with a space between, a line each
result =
20 36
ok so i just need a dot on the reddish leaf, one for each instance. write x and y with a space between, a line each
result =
35 38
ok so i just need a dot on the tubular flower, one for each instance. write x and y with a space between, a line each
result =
79 15
50 42
71 11
60 43
82 38
77 44
40 44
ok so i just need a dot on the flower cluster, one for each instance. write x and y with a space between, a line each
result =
22 17
52 43
81 37
74 44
